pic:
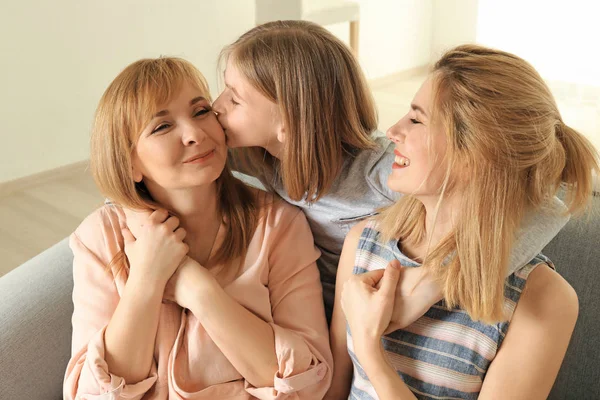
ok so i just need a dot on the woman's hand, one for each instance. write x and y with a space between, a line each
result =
416 292
368 302
190 281
157 248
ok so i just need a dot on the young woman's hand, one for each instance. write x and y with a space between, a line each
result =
157 248
415 294
368 302
190 281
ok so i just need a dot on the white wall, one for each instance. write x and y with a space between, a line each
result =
559 38
454 23
59 56
395 35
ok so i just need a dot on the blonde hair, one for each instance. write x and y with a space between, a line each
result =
502 123
124 110
326 106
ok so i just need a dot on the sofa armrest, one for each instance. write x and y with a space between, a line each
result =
35 325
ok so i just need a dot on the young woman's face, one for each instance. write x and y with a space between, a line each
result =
419 166
183 146
249 118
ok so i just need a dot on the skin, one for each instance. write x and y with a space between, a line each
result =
248 117
366 302
184 128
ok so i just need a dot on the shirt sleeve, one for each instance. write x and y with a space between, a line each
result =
536 231
95 298
299 325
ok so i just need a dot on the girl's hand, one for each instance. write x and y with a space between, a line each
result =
368 302
157 249
189 283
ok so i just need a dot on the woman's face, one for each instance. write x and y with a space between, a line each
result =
248 117
183 146
419 167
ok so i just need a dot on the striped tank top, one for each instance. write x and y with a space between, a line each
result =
444 354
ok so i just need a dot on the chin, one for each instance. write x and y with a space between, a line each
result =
231 142
396 186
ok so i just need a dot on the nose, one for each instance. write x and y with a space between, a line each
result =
218 105
395 133
192 134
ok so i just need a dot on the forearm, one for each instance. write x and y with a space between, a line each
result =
342 364
247 341
385 380
131 333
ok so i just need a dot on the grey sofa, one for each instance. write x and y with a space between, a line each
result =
36 307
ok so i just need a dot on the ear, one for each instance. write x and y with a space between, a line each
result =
137 174
281 133
136 171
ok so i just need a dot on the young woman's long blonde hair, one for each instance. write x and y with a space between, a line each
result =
505 131
326 106
126 107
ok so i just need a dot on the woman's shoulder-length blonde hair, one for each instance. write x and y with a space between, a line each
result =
125 108
325 103
504 129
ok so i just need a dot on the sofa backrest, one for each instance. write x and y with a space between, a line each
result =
576 253
35 325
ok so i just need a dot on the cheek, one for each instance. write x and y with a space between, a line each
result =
161 153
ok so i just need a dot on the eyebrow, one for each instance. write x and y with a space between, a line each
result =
193 101
418 108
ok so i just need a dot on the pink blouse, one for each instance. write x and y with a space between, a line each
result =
279 282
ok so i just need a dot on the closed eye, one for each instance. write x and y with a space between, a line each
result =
201 112
161 127
415 121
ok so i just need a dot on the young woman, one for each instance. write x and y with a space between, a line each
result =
481 149
297 100
213 295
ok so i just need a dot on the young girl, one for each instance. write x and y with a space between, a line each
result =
218 297
297 99
481 148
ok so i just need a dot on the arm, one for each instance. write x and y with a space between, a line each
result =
417 292
532 351
291 354
536 231
342 372
367 302
96 299
384 378
246 340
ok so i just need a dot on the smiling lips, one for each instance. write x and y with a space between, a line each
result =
400 161
200 158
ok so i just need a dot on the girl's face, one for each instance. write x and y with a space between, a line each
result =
248 117
419 166
183 146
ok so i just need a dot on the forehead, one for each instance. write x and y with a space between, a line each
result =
163 95
424 95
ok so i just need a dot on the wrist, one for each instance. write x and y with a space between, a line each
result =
367 347
204 296
140 286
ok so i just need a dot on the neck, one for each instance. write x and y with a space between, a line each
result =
439 222
198 211
275 148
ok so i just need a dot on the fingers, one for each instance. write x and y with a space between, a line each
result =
371 278
159 216
180 234
390 278
172 223
127 236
